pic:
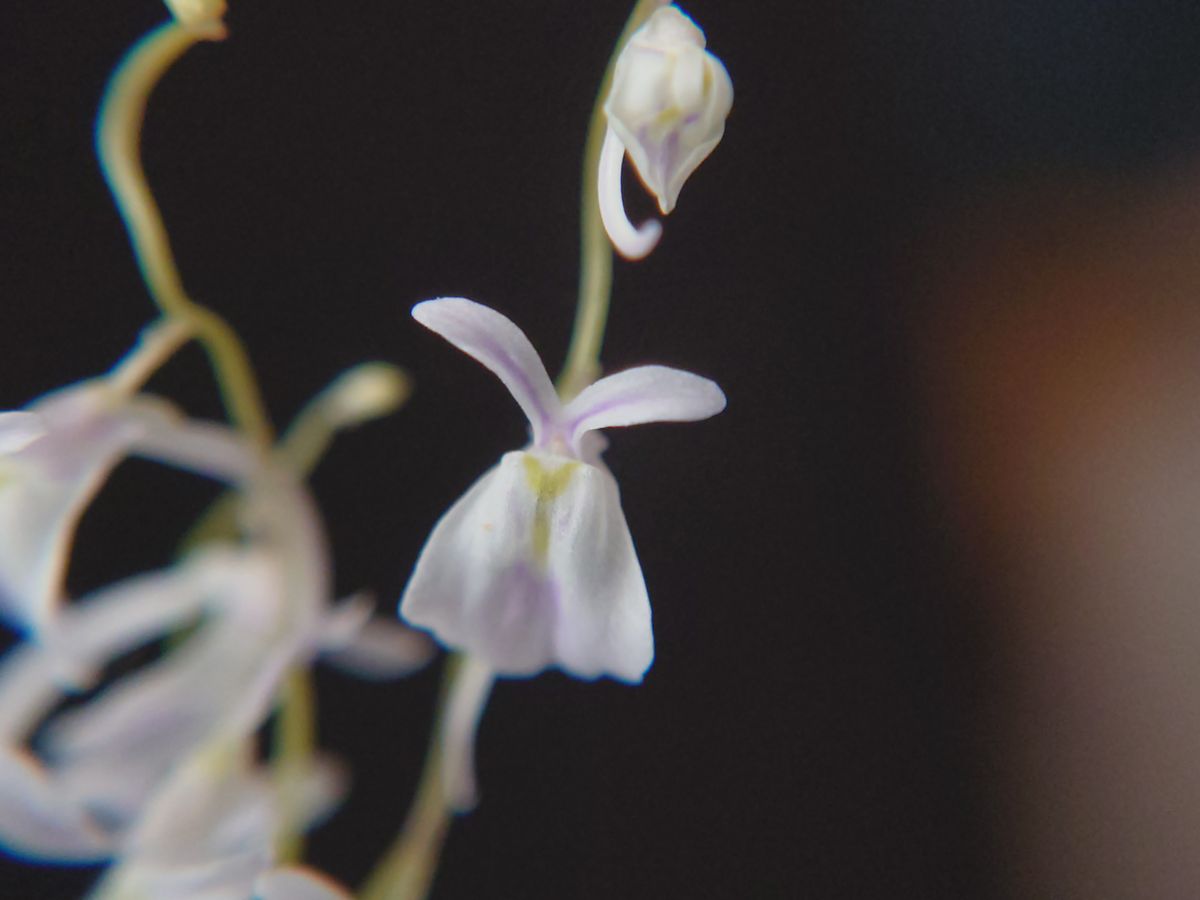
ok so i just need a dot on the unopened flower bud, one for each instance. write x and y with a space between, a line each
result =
667 109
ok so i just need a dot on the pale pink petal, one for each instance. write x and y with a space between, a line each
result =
207 832
472 685
298 883
18 430
40 821
502 347
116 749
523 576
475 585
603 625
643 394
382 649
630 241
47 482
29 689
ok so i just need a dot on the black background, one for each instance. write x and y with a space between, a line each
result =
817 721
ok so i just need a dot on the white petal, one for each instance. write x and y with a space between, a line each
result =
46 483
344 621
29 688
205 448
630 241
207 833
468 698
525 575
604 612
116 749
18 430
643 394
475 585
502 347
119 618
382 649
38 820
296 883
37 521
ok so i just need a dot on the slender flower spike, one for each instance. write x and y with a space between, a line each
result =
534 566
667 109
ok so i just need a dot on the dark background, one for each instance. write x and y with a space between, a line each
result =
819 721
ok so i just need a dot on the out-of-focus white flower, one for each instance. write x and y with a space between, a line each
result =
255 609
209 835
667 109
54 457
534 566
104 760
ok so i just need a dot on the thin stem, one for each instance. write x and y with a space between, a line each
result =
118 137
295 738
157 343
595 258
407 869
367 391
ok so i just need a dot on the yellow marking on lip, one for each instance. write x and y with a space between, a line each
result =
546 485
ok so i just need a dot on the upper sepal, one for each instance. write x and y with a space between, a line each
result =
502 347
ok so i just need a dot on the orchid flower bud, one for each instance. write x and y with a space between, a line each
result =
667 110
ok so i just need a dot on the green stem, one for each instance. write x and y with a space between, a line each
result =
295 738
118 143
157 343
582 365
118 138
407 869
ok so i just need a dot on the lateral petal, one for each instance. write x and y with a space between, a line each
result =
206 833
642 394
475 585
47 479
382 649
118 748
502 347
603 625
19 429
39 820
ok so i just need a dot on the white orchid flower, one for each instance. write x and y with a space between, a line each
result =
534 566
104 760
258 610
54 457
667 109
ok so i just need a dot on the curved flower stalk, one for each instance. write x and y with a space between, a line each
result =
667 110
54 457
534 566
